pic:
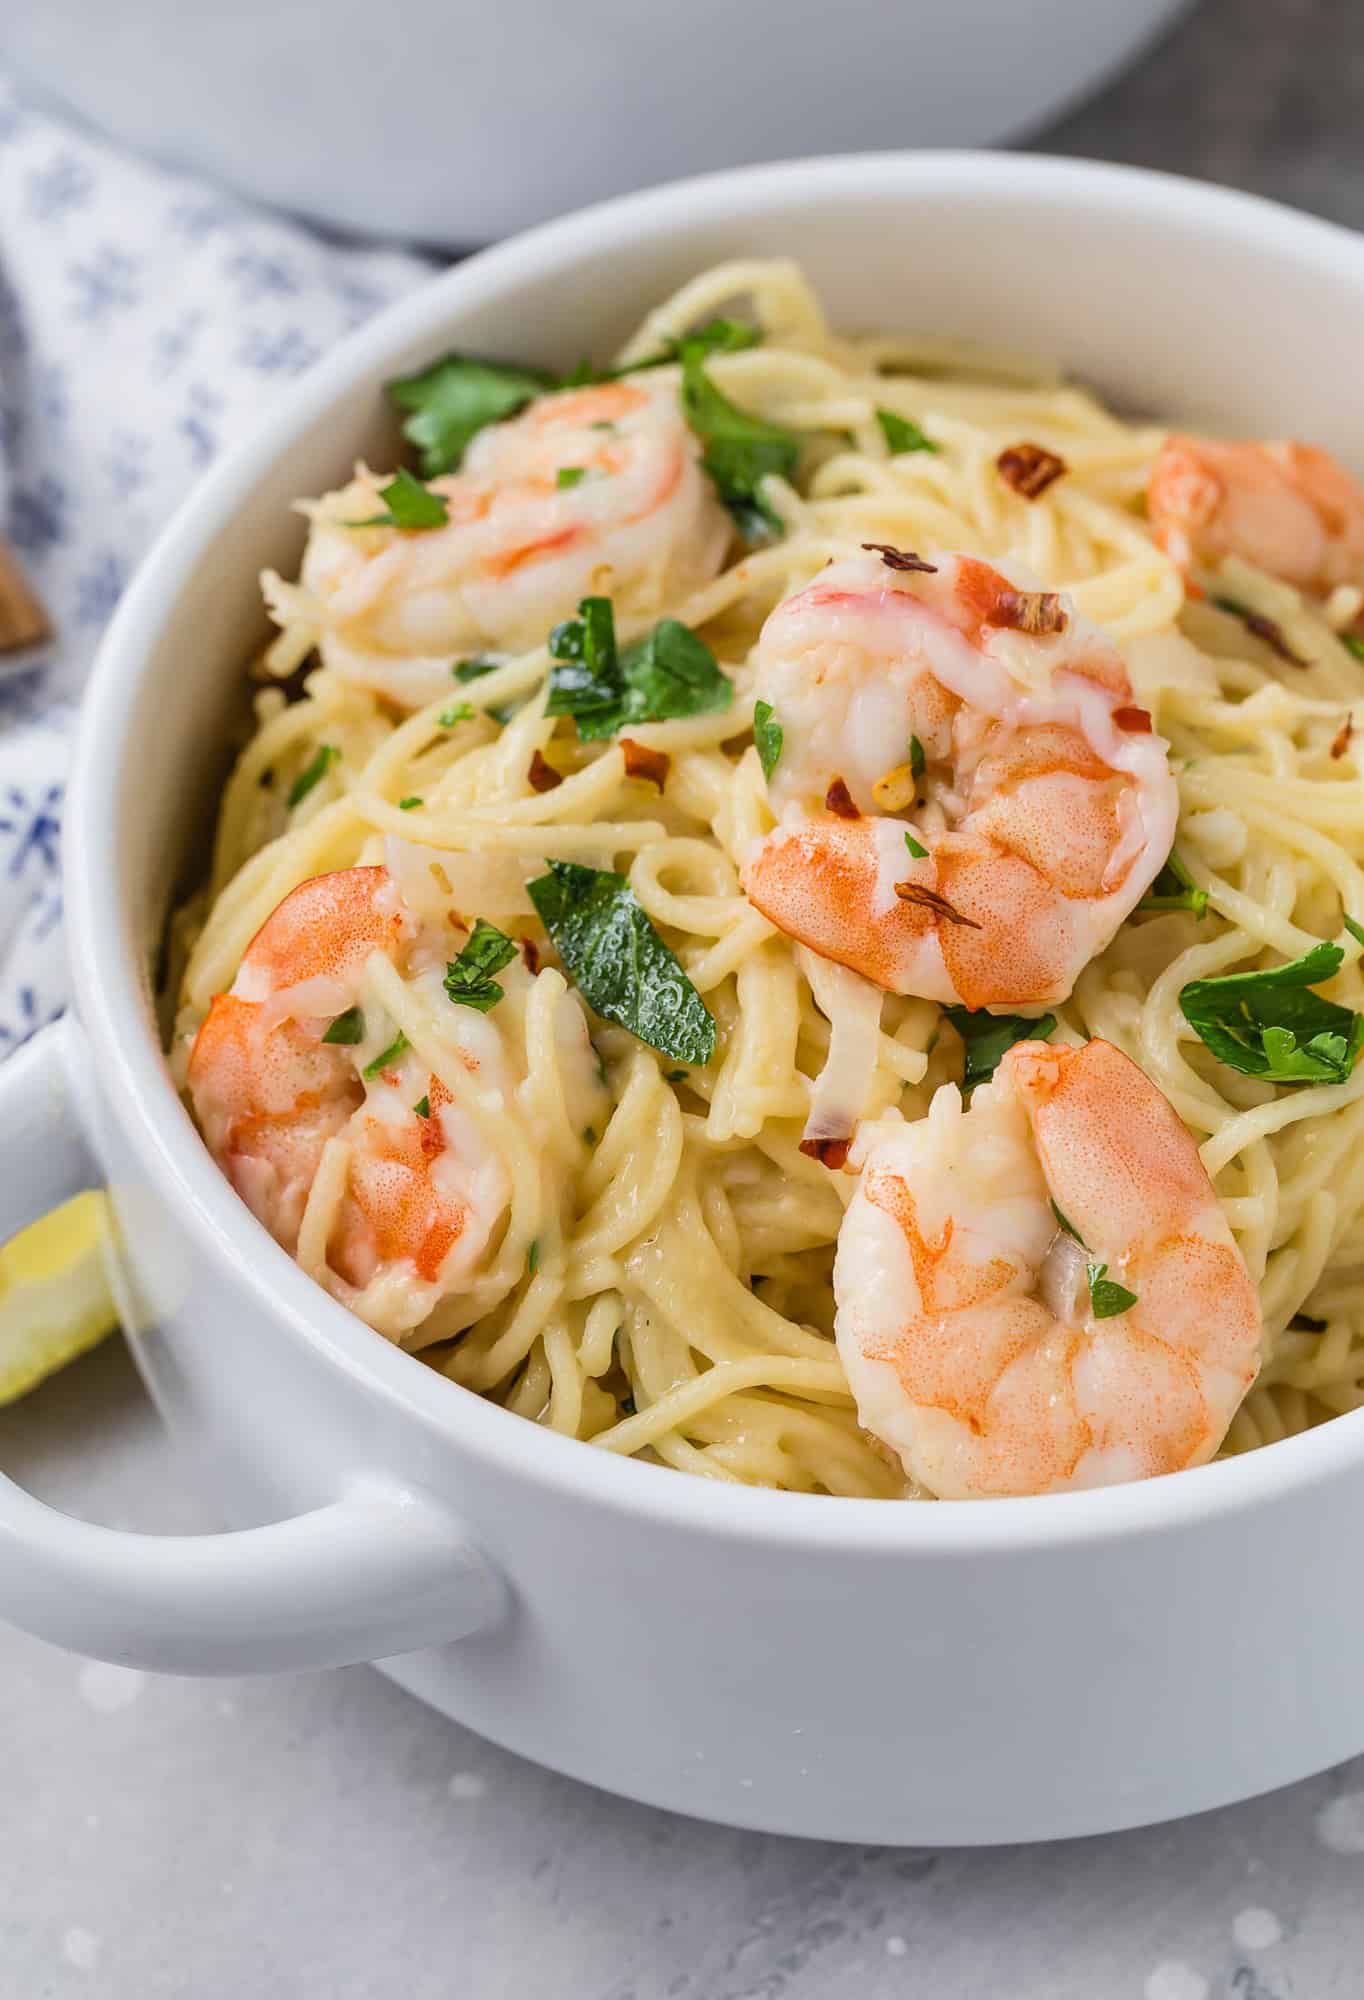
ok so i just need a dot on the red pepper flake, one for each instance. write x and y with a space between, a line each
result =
642 762
1136 720
530 953
1263 628
929 899
1029 468
838 799
542 776
831 1153
1341 741
894 558
1038 611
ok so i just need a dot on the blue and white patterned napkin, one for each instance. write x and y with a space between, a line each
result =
145 322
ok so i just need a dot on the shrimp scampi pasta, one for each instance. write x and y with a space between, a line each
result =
792 906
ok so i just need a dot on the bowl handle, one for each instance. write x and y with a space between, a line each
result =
384 1569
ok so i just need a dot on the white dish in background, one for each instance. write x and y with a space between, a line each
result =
453 123
849 1669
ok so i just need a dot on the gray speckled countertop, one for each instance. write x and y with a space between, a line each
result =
326 1838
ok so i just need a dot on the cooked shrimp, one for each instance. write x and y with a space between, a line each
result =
423 1193
589 490
1044 808
974 1342
1287 508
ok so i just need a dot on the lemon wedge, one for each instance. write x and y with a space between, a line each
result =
54 1296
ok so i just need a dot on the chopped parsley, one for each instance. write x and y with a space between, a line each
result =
989 1037
1067 1224
412 800
397 1047
717 336
407 504
474 669
917 759
605 688
1175 889
347 1028
768 735
1107 1297
448 403
462 711
1269 1024
422 1107
1356 930
901 434
741 450
323 757
469 980
1353 642
570 475
533 1257
917 853
618 961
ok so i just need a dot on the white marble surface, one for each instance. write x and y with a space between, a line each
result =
325 1838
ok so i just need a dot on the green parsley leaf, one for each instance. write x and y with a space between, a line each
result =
989 1037
1107 1297
585 676
397 1047
452 400
408 504
717 336
1356 930
917 759
1268 1024
347 1028
918 853
1175 889
768 735
533 1257
413 799
1353 642
901 434
675 1076
462 711
668 673
469 978
740 449
304 782
474 669
618 961
1068 1225
570 475
422 1107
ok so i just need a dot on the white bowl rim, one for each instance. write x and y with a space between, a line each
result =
110 989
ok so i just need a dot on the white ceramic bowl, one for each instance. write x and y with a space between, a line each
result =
853 1669
452 121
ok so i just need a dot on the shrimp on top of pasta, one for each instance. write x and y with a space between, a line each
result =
793 909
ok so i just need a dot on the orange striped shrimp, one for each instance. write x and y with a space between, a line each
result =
1042 1291
424 1194
970 799
1287 508
587 490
